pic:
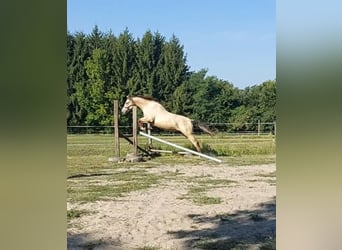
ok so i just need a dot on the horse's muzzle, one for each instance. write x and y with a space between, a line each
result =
124 110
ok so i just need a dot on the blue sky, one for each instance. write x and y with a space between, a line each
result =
234 39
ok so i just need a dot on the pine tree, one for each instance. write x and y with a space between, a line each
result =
95 39
97 102
78 53
144 73
123 64
172 70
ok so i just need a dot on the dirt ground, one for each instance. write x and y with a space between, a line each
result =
161 218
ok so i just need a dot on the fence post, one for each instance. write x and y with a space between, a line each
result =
116 129
149 133
259 127
135 131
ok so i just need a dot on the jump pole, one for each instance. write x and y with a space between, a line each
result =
179 147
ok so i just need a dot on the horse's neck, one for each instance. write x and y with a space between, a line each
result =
145 105
140 102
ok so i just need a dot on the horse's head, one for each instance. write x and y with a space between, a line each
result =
129 104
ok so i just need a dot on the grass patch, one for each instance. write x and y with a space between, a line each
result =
246 160
115 185
224 145
148 248
216 183
206 200
239 149
76 213
213 244
197 196
196 193
272 174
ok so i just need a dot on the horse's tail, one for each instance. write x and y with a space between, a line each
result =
203 126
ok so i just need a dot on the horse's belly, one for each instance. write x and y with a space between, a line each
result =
165 124
173 122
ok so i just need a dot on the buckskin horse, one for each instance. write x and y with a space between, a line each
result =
158 116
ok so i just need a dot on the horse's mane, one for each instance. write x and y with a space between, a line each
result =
148 98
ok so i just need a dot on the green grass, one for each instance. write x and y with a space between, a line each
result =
213 244
110 185
206 200
76 213
199 185
92 151
215 182
92 177
271 178
147 248
225 145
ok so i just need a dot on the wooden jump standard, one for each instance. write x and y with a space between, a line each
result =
118 134
179 147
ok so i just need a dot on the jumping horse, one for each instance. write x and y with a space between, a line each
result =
158 116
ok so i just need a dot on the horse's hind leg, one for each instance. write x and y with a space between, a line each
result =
194 142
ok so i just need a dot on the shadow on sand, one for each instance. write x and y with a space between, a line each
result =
85 241
244 229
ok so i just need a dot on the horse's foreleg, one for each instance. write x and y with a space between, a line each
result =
195 142
141 122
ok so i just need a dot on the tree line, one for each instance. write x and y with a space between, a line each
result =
102 67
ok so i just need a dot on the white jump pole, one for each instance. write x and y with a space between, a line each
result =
179 147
